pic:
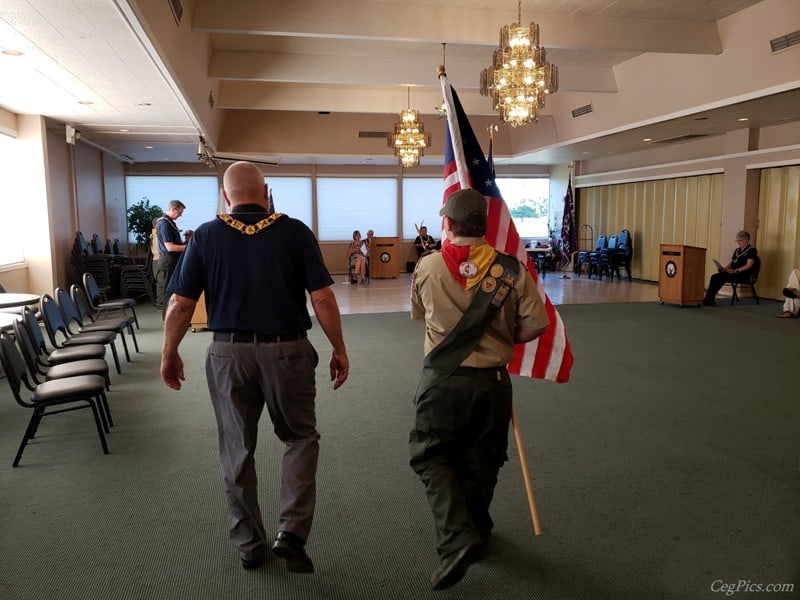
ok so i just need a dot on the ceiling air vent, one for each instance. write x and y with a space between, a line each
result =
177 10
582 110
785 41
373 134
681 138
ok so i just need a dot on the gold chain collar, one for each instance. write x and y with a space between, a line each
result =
250 229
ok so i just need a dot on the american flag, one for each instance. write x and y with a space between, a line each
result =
549 356
569 235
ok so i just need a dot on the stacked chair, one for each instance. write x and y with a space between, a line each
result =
622 256
137 280
584 256
594 255
603 266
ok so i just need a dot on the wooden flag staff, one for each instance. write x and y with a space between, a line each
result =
523 463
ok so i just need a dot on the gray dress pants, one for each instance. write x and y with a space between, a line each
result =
243 378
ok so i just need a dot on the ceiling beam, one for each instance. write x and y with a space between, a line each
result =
396 22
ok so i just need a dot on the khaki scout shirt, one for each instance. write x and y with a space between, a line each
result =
437 297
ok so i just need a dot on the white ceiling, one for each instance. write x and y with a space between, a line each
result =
335 55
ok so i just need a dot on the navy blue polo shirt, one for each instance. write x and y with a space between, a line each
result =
167 231
254 283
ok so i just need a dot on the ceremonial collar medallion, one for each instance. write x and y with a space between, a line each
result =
248 229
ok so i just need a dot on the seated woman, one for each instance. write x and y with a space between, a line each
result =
357 262
742 260
791 307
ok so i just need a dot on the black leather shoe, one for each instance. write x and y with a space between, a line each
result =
249 564
789 292
709 303
453 568
289 547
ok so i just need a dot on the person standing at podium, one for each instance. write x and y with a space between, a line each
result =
256 269
736 271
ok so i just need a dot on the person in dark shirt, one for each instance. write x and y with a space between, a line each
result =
424 242
737 270
255 269
170 248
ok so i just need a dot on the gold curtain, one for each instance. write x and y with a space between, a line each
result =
684 210
779 228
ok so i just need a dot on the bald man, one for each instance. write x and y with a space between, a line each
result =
255 269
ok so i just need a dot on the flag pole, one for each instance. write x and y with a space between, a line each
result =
526 475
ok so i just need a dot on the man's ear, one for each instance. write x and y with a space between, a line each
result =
225 196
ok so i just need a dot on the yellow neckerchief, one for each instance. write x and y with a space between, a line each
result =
249 229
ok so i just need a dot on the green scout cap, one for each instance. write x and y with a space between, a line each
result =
462 202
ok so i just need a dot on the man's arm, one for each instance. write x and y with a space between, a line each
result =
324 304
176 324
173 247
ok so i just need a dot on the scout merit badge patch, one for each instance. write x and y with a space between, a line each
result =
499 280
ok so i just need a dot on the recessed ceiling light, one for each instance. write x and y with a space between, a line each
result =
10 52
124 130
145 104
85 102
742 119
148 147
647 139
586 152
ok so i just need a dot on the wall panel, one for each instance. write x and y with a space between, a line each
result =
685 210
779 228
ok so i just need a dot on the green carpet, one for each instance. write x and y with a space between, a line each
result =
668 463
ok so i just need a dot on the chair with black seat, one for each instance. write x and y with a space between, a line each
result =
623 255
54 325
594 255
38 372
49 357
105 307
52 397
76 324
604 258
90 318
750 282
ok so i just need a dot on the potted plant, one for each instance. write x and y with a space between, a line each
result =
140 222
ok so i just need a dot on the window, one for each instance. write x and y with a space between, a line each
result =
422 199
201 196
344 205
292 196
528 201
11 242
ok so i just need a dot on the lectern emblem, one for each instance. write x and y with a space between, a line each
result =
385 257
670 269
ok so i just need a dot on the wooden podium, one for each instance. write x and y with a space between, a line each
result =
199 318
384 258
682 274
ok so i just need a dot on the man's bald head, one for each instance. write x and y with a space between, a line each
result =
243 183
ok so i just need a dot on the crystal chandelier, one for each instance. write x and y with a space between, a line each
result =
409 139
520 76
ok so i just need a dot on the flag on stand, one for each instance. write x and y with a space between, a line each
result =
569 235
549 356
